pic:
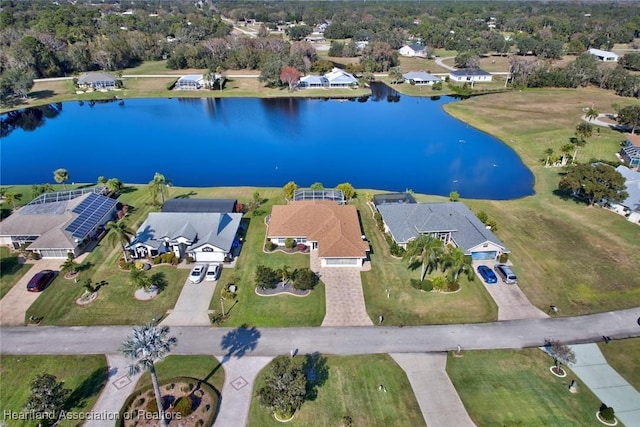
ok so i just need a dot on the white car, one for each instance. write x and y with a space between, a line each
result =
213 272
197 274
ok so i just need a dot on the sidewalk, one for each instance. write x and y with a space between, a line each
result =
438 399
607 384
119 386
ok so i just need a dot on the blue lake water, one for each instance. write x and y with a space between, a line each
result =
385 141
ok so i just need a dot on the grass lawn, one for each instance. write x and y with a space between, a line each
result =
351 389
406 305
206 368
255 310
583 260
516 388
622 355
85 376
10 270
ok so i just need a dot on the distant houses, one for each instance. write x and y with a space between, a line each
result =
96 81
190 82
630 151
413 50
604 55
420 78
470 75
336 78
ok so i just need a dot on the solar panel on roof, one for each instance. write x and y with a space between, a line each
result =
90 211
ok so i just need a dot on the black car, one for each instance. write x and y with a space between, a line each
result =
41 280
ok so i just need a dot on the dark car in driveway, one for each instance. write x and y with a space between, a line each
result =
487 274
41 280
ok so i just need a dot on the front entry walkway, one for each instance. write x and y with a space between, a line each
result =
607 384
511 301
344 299
438 399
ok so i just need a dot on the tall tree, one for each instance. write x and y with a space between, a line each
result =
291 77
10 197
317 186
61 176
285 387
395 74
591 113
458 262
289 189
147 345
584 130
629 116
347 189
48 395
428 250
119 233
594 183
114 185
159 185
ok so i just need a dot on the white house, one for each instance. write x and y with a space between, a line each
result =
470 75
414 50
206 237
420 78
190 82
629 207
604 55
336 78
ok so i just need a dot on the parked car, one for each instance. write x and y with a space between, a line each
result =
487 274
41 280
213 272
506 274
197 274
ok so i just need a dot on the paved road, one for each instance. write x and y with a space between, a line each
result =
330 340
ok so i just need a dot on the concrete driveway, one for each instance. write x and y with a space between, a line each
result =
15 303
511 301
192 307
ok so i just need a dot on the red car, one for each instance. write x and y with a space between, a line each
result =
41 280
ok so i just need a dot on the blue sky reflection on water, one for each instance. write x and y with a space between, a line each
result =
386 142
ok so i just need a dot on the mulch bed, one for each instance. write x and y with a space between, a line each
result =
282 289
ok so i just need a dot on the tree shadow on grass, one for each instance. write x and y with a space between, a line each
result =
91 386
42 94
317 372
238 341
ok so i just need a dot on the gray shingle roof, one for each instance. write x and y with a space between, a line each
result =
216 229
408 221
469 72
421 75
88 78
200 205
632 181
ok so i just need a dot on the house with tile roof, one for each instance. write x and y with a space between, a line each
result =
470 75
55 225
206 237
630 151
420 78
412 50
452 222
331 229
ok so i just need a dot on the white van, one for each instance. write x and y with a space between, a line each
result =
507 275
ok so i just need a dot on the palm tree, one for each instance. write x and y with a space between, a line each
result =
584 130
12 198
119 233
591 113
427 249
139 278
61 176
114 185
285 273
159 185
69 265
146 345
549 153
566 149
458 262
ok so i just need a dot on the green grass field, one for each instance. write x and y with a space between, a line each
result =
516 388
622 355
582 259
206 368
84 376
406 305
10 270
351 389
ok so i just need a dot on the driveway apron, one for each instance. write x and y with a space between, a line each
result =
192 307
437 397
14 305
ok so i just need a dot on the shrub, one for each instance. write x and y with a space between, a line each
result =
454 196
492 224
607 413
424 285
396 250
482 216
188 259
183 406
378 217
453 286
304 279
289 243
503 258
172 84
269 245
35 256
439 283
157 260
140 401
139 265
266 277
152 406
